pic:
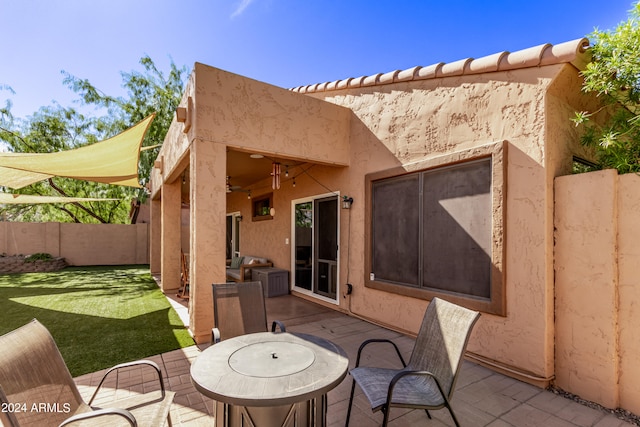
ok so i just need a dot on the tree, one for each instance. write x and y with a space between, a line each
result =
614 76
57 128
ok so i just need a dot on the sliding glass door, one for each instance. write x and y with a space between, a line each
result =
315 246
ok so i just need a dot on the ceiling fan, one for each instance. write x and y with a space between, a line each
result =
232 188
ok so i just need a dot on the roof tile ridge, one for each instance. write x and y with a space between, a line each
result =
564 52
574 51
486 64
389 77
456 68
408 74
371 80
524 58
429 72
332 85
357 82
344 83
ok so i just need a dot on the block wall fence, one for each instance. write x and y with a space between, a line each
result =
597 287
78 244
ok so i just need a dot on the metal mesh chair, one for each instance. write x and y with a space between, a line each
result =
239 309
37 389
428 380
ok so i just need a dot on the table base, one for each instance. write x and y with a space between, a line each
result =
302 414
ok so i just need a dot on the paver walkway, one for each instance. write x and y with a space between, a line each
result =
482 398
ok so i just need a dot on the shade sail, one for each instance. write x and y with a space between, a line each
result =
15 178
28 199
112 161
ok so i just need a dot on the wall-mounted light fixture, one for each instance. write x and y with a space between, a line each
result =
347 202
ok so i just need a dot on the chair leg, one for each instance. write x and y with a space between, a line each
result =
385 410
428 414
353 389
455 420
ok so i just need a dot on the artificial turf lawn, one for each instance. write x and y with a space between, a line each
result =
98 316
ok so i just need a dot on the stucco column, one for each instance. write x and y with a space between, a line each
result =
155 239
170 251
208 232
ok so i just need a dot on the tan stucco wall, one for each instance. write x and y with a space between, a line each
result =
629 290
79 244
399 124
247 114
396 125
420 120
597 270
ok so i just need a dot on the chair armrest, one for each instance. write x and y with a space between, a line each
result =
127 365
279 324
99 413
378 340
244 267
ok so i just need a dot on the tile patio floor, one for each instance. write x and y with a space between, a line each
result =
482 398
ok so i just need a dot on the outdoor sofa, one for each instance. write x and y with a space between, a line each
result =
239 269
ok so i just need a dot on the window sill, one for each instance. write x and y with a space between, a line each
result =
479 304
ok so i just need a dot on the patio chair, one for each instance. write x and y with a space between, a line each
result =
36 388
183 291
239 309
428 381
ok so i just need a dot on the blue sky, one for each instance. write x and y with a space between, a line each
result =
283 42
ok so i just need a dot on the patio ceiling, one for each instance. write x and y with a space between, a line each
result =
244 170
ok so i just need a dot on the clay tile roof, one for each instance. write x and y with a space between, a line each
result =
574 52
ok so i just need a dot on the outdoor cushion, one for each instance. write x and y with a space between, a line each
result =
236 261
249 259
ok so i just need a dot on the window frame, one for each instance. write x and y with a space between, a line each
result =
496 304
255 201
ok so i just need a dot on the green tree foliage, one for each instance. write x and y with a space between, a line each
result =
57 128
614 76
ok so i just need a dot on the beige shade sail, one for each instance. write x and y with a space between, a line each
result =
28 199
112 161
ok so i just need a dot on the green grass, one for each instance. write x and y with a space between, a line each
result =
99 316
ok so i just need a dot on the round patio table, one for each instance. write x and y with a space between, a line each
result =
270 379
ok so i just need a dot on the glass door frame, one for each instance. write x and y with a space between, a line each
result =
236 219
311 292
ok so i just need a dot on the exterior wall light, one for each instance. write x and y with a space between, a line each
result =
347 202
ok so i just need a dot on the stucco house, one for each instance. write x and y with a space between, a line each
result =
450 170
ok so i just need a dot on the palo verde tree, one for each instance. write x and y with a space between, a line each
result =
614 76
57 128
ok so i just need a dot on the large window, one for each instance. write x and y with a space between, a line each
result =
438 230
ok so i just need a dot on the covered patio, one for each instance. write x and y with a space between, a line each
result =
451 169
483 397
